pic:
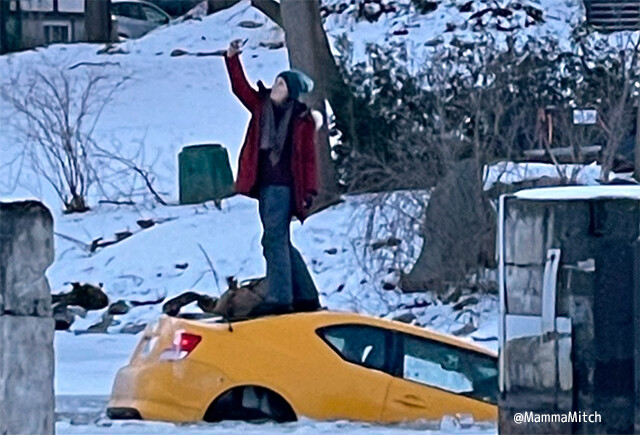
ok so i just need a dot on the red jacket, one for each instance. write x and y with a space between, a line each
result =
303 155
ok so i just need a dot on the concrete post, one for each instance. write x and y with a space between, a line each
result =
26 323
570 311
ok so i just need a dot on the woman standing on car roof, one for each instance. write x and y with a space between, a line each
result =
277 166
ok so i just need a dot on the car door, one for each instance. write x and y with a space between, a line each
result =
131 19
433 379
357 378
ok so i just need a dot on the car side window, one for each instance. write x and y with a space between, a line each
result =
359 344
129 10
153 15
450 368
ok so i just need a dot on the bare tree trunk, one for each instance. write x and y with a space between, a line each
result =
97 20
270 8
309 51
214 6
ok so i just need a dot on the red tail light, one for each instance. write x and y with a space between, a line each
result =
188 342
183 344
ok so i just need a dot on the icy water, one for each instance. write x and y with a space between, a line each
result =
84 415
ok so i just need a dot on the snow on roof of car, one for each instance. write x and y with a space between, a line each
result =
566 193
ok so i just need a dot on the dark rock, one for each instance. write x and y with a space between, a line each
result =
469 301
405 318
388 286
331 251
87 296
133 328
178 52
63 317
272 45
482 339
152 302
112 49
419 303
247 24
467 311
118 308
101 326
401 32
182 266
465 330
145 223
123 235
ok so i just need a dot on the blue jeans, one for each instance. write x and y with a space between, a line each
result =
288 278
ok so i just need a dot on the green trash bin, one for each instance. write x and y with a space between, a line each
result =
205 173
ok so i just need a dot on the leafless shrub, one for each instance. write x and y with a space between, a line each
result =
118 164
56 110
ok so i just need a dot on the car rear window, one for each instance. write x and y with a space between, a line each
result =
450 368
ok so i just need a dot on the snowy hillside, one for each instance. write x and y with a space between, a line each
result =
171 102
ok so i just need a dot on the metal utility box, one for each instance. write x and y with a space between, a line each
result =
205 173
570 307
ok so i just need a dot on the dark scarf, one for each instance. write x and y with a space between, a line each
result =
272 139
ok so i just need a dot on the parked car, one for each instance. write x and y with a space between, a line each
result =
176 8
323 365
135 18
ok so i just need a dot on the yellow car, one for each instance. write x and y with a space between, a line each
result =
323 365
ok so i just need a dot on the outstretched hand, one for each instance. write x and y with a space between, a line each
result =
234 47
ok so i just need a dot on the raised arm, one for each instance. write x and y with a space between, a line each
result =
239 84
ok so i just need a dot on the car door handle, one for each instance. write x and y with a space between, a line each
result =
411 401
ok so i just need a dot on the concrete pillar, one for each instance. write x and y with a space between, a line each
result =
26 324
570 309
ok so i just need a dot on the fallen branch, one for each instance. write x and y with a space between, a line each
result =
94 64
215 275
83 245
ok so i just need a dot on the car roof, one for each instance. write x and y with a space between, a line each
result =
318 319
141 2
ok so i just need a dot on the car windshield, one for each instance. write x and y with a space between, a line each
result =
154 15
129 10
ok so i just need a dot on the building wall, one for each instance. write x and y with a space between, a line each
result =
33 27
24 23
